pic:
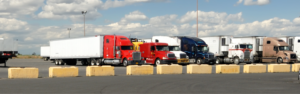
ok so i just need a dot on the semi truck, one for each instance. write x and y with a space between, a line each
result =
227 50
294 44
269 49
173 43
157 53
8 49
196 49
95 50
45 52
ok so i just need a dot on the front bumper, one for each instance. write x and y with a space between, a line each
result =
246 60
290 60
168 61
136 62
183 61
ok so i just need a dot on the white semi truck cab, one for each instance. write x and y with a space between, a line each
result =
173 43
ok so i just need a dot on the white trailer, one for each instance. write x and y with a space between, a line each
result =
174 47
294 43
8 49
45 52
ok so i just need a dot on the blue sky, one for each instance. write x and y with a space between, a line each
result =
35 22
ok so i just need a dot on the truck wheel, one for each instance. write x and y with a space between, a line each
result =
218 61
93 62
83 62
56 62
98 62
125 62
61 62
199 61
236 60
157 61
279 60
45 58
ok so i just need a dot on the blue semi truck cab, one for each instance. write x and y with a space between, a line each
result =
196 49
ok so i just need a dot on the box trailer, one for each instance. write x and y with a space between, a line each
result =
95 50
45 52
8 49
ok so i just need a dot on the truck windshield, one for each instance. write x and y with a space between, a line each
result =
284 48
202 48
162 48
126 47
174 48
246 46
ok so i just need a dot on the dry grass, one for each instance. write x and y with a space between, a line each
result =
27 57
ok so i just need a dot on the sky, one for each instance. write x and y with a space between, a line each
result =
35 22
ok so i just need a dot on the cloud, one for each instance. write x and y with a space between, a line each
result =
253 2
12 25
71 9
18 8
163 20
134 16
211 17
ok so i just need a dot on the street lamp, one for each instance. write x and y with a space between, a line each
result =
84 12
69 31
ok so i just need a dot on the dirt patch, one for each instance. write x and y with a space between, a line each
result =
27 57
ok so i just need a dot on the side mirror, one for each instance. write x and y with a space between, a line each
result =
193 48
236 47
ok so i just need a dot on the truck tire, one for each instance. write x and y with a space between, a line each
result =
61 62
157 62
56 62
125 62
236 60
93 62
198 61
98 62
84 62
45 59
217 61
279 60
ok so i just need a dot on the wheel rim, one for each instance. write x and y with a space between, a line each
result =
217 61
56 62
157 62
59 62
279 60
198 61
125 63
236 60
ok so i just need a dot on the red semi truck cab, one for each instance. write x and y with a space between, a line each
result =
157 53
119 50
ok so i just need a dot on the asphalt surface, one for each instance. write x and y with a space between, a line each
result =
279 83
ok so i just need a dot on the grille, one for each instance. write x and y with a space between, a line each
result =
136 55
247 54
293 56
182 55
171 56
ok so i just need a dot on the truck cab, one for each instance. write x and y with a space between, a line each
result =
197 50
240 52
276 50
294 43
157 53
119 50
173 43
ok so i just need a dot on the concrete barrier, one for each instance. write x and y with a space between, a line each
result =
278 68
227 69
100 71
199 69
257 68
295 67
63 71
23 73
139 70
169 69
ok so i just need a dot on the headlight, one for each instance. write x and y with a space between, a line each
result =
164 58
187 57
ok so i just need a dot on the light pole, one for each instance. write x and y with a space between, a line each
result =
84 12
69 31
197 18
